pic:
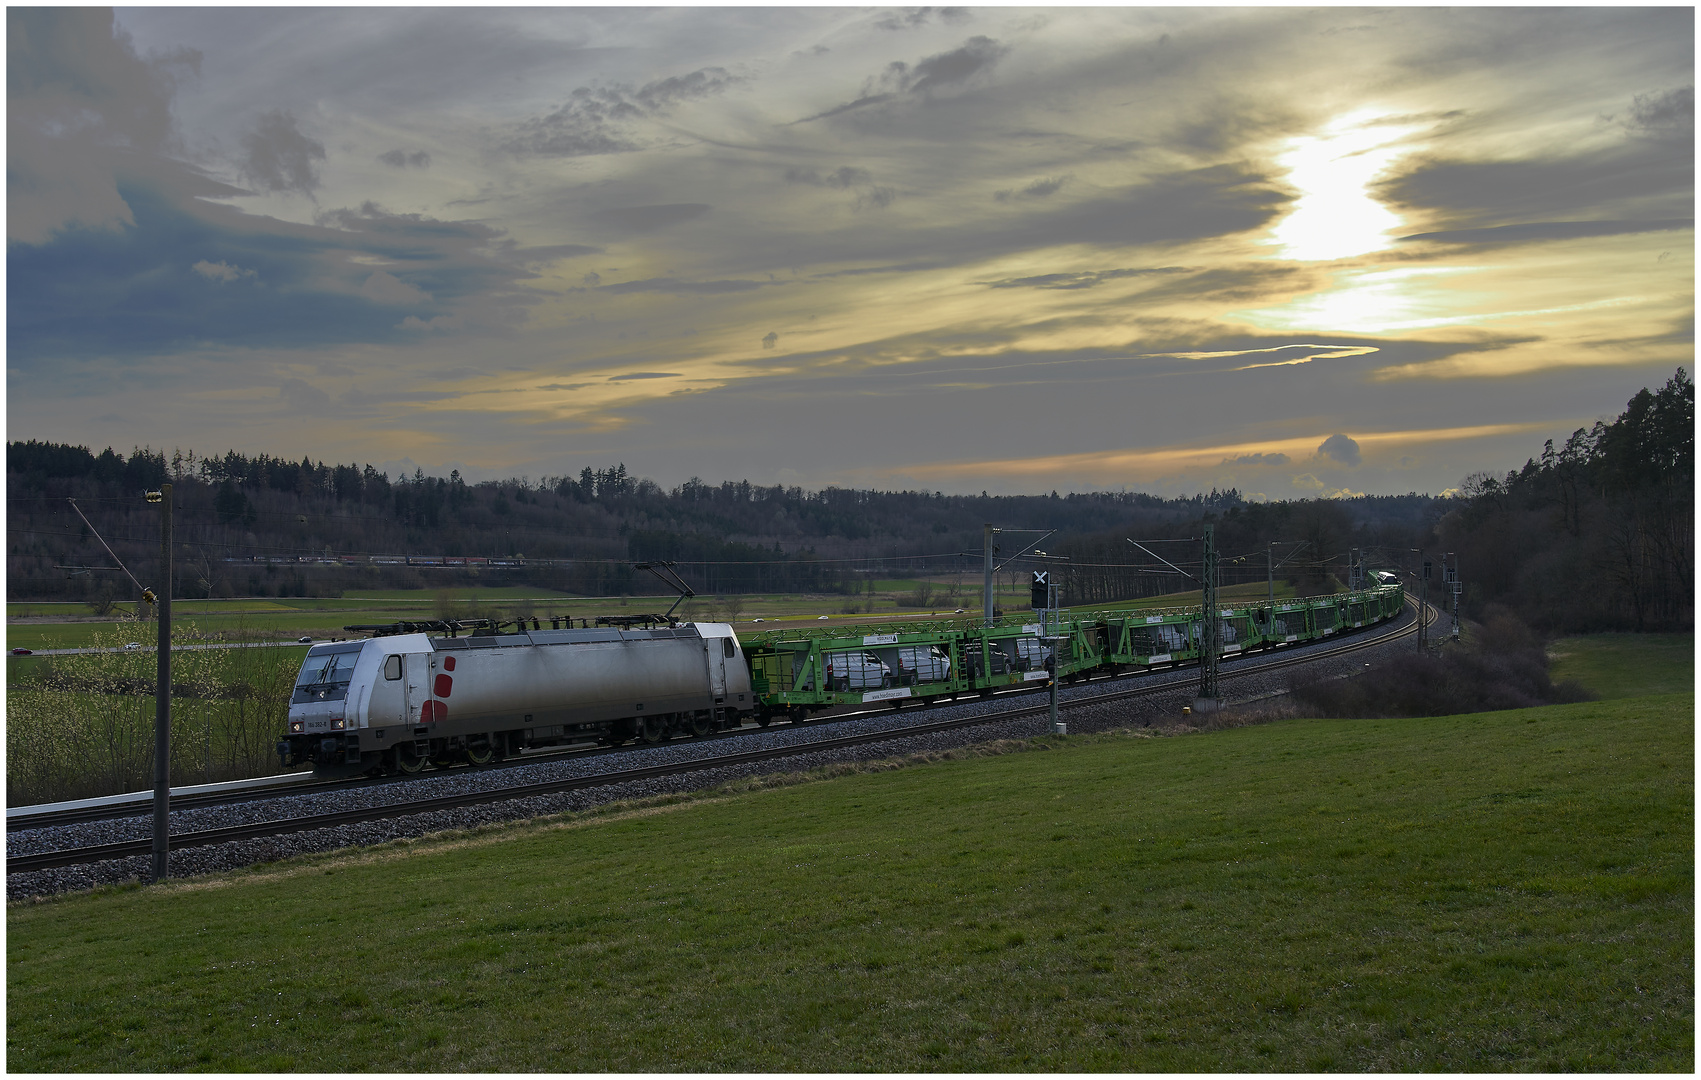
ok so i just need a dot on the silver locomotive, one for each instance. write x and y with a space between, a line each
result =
395 702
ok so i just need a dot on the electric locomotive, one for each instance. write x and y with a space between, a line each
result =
398 700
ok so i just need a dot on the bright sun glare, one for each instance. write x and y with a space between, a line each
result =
1335 216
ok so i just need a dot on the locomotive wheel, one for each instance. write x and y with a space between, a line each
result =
481 753
654 730
407 762
702 725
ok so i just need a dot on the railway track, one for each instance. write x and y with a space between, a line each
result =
124 849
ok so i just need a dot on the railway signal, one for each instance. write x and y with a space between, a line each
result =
1040 591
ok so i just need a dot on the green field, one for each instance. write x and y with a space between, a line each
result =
1627 665
37 626
1492 892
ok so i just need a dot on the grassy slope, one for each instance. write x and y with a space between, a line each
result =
1627 665
1499 891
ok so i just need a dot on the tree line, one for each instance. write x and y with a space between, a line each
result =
1596 533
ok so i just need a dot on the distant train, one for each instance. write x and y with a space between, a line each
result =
407 697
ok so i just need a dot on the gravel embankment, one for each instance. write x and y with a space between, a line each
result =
1160 709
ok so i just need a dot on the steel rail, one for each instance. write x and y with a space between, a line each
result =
257 830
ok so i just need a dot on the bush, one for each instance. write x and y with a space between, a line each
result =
1504 667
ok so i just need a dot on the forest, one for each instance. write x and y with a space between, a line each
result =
1596 534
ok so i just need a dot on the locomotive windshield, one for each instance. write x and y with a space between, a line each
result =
324 676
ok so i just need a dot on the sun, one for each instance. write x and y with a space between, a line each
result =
1335 216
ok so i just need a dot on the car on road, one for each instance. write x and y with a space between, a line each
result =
20 652
305 640
820 618
133 645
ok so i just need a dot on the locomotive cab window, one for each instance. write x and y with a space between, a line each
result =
393 667
727 647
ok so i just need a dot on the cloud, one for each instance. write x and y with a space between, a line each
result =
1307 482
878 198
1666 112
1085 279
1039 189
81 106
221 272
401 159
769 339
145 290
946 69
644 375
1537 231
1257 459
683 288
645 219
383 288
843 177
919 17
276 156
1340 448
303 397
1652 179
599 120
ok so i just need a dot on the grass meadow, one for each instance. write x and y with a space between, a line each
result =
1489 892
1627 665
37 625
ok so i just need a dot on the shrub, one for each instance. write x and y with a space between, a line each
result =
1504 667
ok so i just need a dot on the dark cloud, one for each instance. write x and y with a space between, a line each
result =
598 120
1550 230
644 375
1651 178
1085 279
401 159
769 339
845 176
221 272
645 219
1039 189
276 156
82 109
1665 112
1340 448
303 397
683 288
191 275
932 73
877 198
918 17
1257 459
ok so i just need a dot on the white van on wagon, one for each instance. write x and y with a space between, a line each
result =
922 664
856 671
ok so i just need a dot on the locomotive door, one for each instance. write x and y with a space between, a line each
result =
716 651
420 708
388 703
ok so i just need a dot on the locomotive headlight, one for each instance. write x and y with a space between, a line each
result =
295 725
337 724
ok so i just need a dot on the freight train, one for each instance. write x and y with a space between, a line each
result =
407 696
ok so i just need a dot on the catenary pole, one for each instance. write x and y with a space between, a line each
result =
162 692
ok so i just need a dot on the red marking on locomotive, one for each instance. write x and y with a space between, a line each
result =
432 711
441 686
448 663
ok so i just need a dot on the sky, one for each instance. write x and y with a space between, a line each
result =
1296 252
